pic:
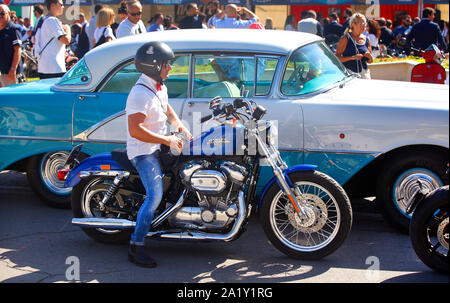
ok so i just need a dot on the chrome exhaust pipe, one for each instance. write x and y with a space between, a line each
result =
207 236
93 222
112 223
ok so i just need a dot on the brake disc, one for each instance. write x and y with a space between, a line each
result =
316 211
442 233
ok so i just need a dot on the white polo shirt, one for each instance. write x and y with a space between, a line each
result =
142 100
128 28
51 60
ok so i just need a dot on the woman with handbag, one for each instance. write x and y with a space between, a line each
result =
354 49
104 33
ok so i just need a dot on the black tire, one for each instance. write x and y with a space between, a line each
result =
420 234
79 192
46 185
401 170
342 206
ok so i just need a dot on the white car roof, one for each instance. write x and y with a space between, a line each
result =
104 58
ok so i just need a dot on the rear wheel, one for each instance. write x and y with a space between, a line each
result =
42 174
398 182
86 196
316 236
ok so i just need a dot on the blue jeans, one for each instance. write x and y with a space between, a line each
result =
150 172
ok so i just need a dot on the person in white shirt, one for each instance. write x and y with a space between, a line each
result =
147 112
52 39
309 24
90 28
104 33
38 11
133 24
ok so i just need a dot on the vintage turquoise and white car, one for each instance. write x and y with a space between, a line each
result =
374 137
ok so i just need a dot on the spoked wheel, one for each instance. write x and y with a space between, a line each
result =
429 230
324 228
85 203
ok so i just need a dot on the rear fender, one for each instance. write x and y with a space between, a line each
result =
286 172
100 162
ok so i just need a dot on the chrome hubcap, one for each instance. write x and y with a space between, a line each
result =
407 185
50 164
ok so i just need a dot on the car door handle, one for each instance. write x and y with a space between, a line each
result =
82 97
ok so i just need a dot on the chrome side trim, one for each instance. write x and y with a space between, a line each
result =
330 151
36 138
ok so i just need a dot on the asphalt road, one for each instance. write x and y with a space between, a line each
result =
38 244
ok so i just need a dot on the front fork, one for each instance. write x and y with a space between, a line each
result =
279 166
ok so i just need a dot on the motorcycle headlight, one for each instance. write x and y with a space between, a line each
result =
272 134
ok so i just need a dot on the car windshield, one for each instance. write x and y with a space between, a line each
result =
311 68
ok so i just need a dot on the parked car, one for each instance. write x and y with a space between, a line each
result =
374 137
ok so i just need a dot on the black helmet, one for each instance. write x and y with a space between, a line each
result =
150 58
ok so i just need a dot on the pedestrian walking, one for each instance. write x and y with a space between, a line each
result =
354 49
90 28
10 49
156 23
133 24
290 24
192 19
426 32
309 24
53 38
104 32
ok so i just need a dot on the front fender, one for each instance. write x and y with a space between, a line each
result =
296 168
95 163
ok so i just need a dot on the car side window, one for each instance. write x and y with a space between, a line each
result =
78 75
177 83
266 68
223 76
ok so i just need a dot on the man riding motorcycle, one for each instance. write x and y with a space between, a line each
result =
147 111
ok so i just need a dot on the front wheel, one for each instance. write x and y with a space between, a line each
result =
322 232
429 230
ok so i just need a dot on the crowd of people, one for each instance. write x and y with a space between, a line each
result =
57 46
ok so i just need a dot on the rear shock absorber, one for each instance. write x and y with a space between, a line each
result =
113 189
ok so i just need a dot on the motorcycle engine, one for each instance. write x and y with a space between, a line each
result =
217 191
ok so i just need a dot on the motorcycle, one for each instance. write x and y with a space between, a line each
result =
431 71
428 229
210 190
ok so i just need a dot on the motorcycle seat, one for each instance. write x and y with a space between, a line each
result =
120 156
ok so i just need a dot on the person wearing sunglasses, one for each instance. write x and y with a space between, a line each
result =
354 49
52 39
10 49
133 24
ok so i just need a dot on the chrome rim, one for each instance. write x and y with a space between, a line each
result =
406 186
90 202
309 233
50 164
